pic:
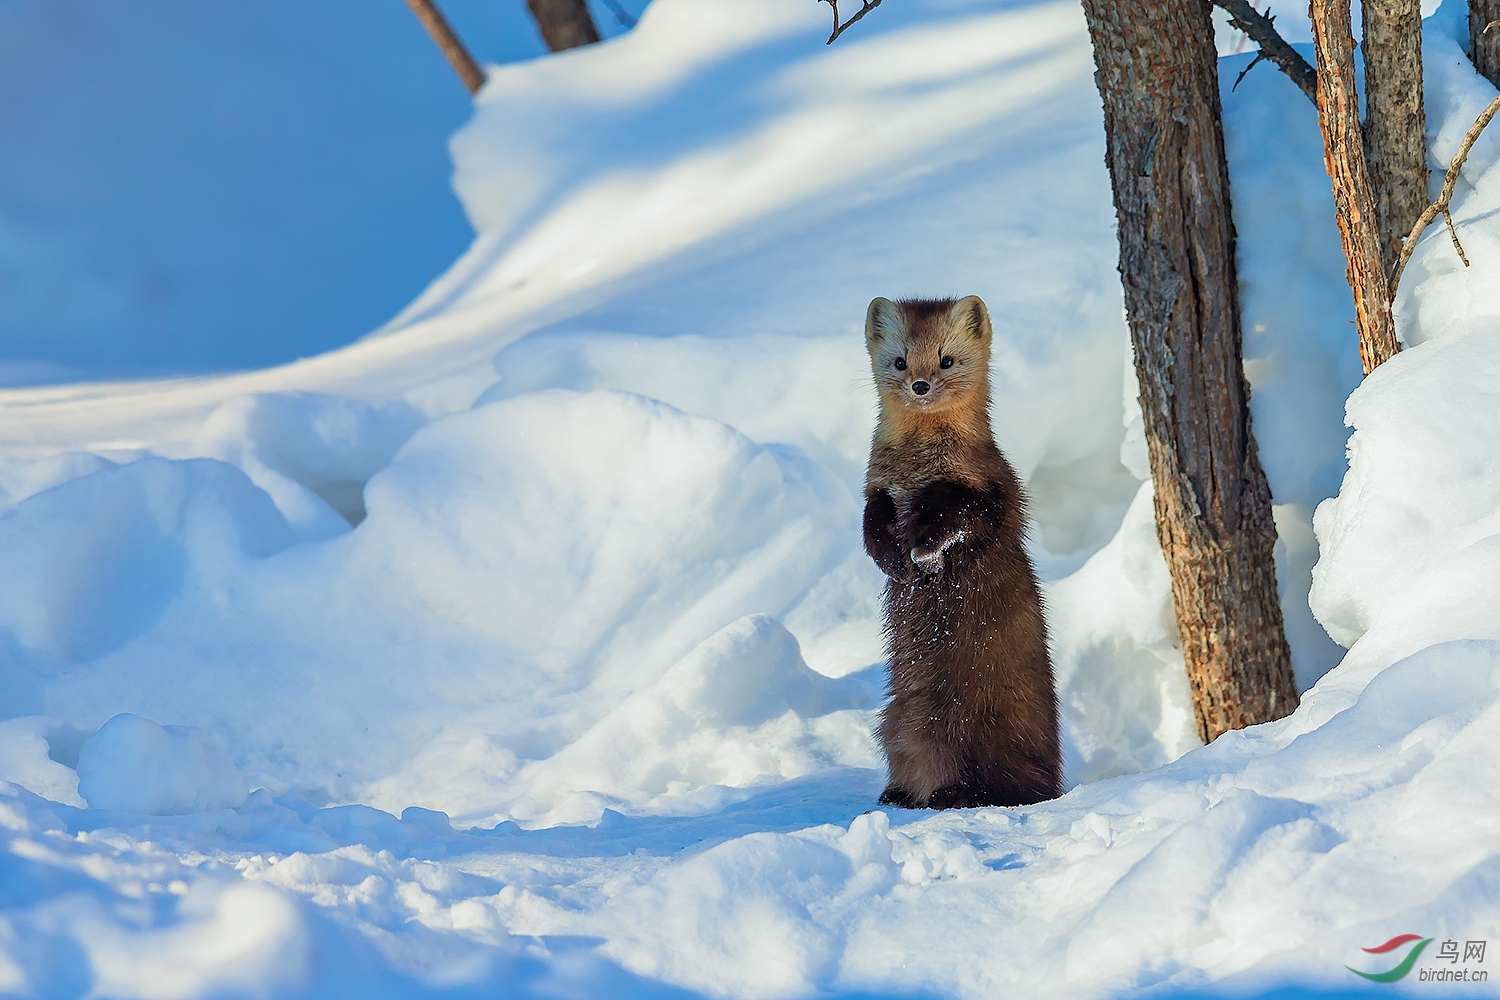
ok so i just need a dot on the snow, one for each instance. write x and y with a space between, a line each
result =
133 765
527 646
1429 495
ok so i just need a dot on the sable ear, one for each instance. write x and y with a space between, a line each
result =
881 319
970 316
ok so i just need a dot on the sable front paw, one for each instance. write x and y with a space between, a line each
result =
930 557
881 540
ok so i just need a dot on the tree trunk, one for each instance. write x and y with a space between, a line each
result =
448 42
1353 198
1484 41
1158 76
565 24
1395 123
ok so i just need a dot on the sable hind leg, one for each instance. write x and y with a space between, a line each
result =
1013 778
967 792
955 797
917 762
972 796
1017 780
894 795
900 768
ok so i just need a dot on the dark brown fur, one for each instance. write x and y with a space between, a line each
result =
972 719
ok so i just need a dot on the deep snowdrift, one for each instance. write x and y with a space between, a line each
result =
563 569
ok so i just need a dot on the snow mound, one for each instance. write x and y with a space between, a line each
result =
92 562
40 755
133 765
22 478
1424 479
640 529
741 709
312 453
636 533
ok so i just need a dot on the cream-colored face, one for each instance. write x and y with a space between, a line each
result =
926 358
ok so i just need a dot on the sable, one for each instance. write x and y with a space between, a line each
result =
972 719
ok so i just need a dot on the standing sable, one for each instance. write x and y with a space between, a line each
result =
1158 76
972 719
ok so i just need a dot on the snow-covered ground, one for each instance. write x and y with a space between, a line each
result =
527 646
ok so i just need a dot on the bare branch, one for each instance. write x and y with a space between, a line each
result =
1262 31
621 14
838 29
1440 207
1453 233
1246 71
448 42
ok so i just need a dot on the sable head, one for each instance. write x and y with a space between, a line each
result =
929 355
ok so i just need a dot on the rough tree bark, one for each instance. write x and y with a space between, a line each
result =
447 40
1395 131
1158 76
1484 41
1353 196
565 24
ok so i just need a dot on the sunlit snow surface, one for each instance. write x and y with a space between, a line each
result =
581 703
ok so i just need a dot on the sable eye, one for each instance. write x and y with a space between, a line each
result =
946 363
901 364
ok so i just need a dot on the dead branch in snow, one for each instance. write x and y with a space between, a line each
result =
1440 207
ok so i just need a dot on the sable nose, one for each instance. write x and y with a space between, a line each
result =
920 388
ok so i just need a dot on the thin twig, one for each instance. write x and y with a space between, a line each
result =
1262 31
838 29
1440 206
1246 71
448 42
621 14
1448 218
